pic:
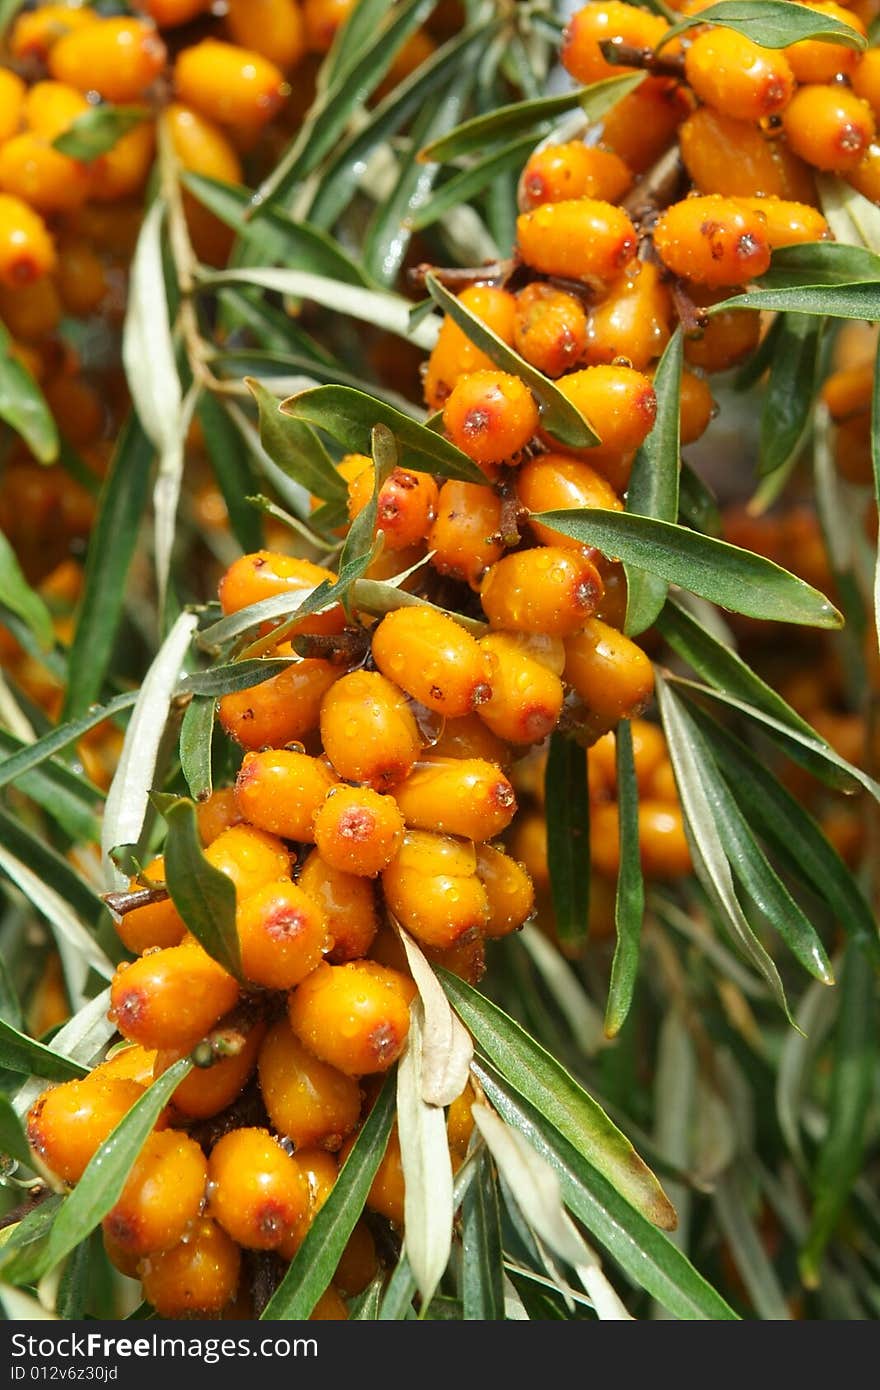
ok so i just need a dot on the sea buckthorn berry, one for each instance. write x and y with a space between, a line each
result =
853 456
580 239
257 1193
454 355
789 223
34 33
27 251
464 537
130 1062
320 1170
358 1262
322 19
50 108
120 1258
123 170
526 697
649 751
865 177
155 924
162 1194
508 888
829 126
208 1090
663 846
200 145
574 170
282 934
200 1275
433 659
274 28
661 786
490 416
469 737
405 507
12 101
642 125
736 76
712 240
283 709
600 22
171 998
848 392
249 857
726 338
355 1016
618 402
548 589
696 407
551 328
31 169
167 14
217 813
528 845
865 78
633 321
368 730
613 677
457 796
330 1307
118 58
313 1104
349 906
386 1195
266 573
358 830
81 278
813 60
433 890
228 84
734 158
281 791
69 1123
552 482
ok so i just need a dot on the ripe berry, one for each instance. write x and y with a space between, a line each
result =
789 223
457 796
119 58
69 1123
866 77
249 857
231 85
548 589
281 791
469 737
171 998
552 482
602 21
12 103
273 28
208 1090
433 659
575 170
313 1104
619 403
526 697
509 891
830 127
454 355
633 321
200 145
348 904
50 108
35 33
355 1016
197 1276
696 407
580 239
281 710
358 830
490 416
266 573
663 846
156 924
282 934
726 338
257 1193
551 328
613 677
162 1195
406 505
735 158
712 240
368 730
643 124
736 76
26 248
813 60
433 890
464 536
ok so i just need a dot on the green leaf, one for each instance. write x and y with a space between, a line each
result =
397 1301
69 798
101 1184
349 417
204 897
653 485
629 905
816 264
13 1140
357 29
464 186
31 756
857 301
703 807
296 448
196 737
747 1247
52 868
771 23
567 813
235 676
788 400
315 1261
23 405
558 416
73 1290
232 469
697 503
23 1248
733 578
647 1256
853 1077
111 551
542 1081
96 131
482 1268
19 1053
535 116
875 463
17 595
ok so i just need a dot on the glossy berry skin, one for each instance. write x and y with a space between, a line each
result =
156 924
830 127
712 240
69 1123
281 791
50 108
726 338
273 28
281 710
613 677
433 890
549 589
600 22
618 402
217 813
248 856
200 145
580 239
643 124
231 85
368 730
12 102
464 537
123 170
358 1262
696 407
526 697
313 1104
433 659
358 830
348 904
119 58
406 505
282 934
386 1194
171 998
162 1194
509 891
457 796
454 355
553 482
789 223
574 170
31 169
265 573
866 79
35 33
633 321
551 328
736 76
197 1276
208 1090
865 177
26 248
130 1063
355 1017
322 19
663 846
490 416
736 159
469 737
812 60
258 1194
167 14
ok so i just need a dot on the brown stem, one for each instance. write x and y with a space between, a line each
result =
339 647
129 901
494 272
35 1197
661 185
691 317
512 514
629 56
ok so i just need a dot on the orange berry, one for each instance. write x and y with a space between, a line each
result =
433 890
35 32
322 19
50 108
865 177
162 1195
208 1090
736 159
313 1104
712 240
457 796
618 402
274 28
119 58
358 1263
386 1194
228 84
464 534
580 239
696 407
281 710
433 659
281 791
26 248
552 482
454 355
358 830
574 170
613 677
168 14
68 1123
349 906
643 124
405 507
265 573
663 846
198 1276
551 328
848 392
282 934
31 169
490 416
528 845
123 170
469 737
129 1062
172 997
726 338
633 321
602 21
355 1016
813 60
12 103
200 145
736 76
829 126
248 856
81 278
509 891
549 589
368 730
789 223
156 924
216 814
258 1194
526 697
865 77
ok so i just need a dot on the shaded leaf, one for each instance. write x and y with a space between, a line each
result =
697 504
97 130
23 405
467 183
17 595
23 1247
20 1053
231 466
747 1248
482 1267
13 1140
196 738
788 400
653 485
446 1048
19 764
629 904
875 463
567 812
52 870
235 676
204 897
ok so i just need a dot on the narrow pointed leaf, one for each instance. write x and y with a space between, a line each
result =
482 1269
96 131
196 737
13 1140
850 301
466 184
629 905
788 400
24 1248
56 875
20 1053
17 595
204 897
697 504
18 764
23 406
426 1166
772 23
747 1248
296 448
235 477
567 811
875 462
653 485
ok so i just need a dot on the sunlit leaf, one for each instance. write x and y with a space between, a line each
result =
23 406
204 897
653 484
